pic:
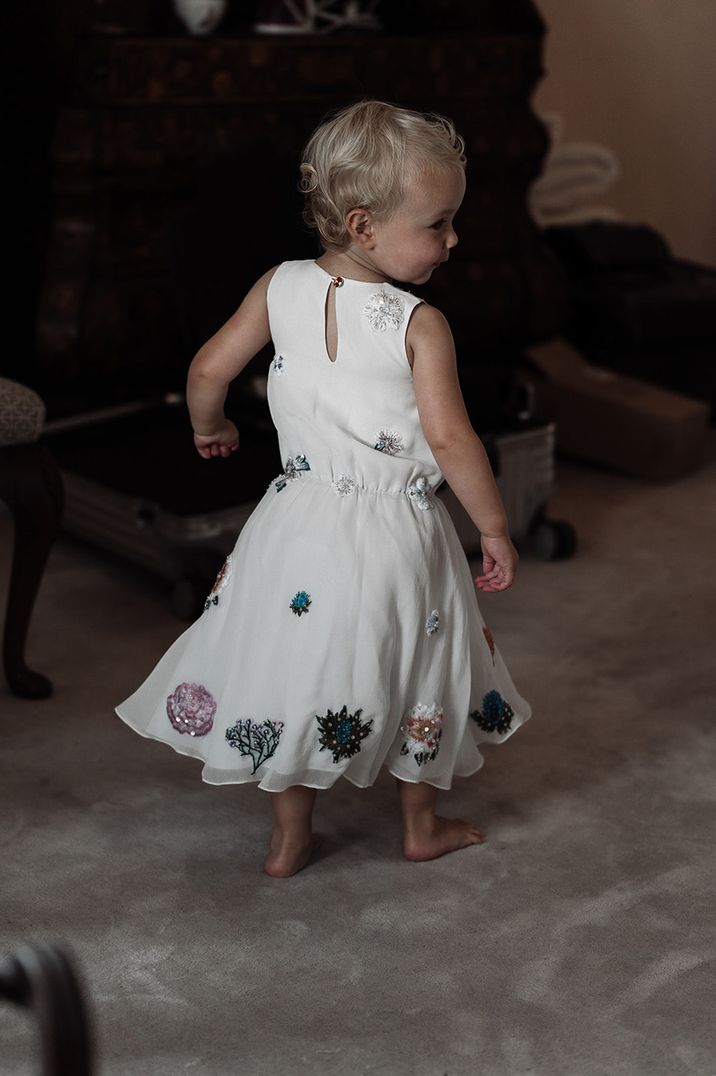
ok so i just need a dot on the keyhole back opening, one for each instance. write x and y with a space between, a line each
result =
331 324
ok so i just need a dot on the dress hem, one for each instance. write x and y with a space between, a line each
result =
252 779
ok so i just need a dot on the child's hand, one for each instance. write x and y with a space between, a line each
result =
221 443
499 563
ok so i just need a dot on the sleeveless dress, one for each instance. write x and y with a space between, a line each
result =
343 632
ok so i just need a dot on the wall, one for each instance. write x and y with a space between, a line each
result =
639 76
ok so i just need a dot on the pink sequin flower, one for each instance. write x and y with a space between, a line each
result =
191 708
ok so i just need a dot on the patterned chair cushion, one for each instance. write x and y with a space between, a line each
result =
22 413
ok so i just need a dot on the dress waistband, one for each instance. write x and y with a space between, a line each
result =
298 467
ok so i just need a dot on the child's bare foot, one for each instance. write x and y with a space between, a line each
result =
441 836
285 859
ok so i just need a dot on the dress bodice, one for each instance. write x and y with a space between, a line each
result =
354 419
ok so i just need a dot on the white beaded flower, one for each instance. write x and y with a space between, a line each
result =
343 485
419 492
432 623
384 311
389 441
278 365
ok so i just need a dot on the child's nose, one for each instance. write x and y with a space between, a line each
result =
452 238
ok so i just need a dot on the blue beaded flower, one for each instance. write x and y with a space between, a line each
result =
342 733
496 714
300 602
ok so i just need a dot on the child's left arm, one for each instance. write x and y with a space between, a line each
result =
215 366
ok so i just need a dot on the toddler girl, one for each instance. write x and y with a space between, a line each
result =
343 632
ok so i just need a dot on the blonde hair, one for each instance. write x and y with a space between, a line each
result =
361 158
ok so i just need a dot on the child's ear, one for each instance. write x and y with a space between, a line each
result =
359 223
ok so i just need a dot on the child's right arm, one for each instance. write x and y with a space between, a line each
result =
457 449
217 363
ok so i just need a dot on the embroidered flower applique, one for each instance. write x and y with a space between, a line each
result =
342 732
496 714
419 492
422 725
389 441
278 365
191 709
432 623
219 583
300 602
256 740
343 485
294 466
490 642
384 310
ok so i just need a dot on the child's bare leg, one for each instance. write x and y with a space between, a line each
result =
427 835
292 841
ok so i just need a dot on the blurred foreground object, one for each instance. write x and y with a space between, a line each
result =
31 486
41 977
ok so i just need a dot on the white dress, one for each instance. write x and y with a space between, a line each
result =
343 632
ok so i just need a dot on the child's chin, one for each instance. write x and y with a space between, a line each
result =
421 278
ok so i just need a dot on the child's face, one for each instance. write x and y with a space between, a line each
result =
419 235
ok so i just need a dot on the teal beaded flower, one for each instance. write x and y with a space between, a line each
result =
496 714
300 602
256 740
342 733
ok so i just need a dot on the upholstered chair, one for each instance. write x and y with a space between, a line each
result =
31 487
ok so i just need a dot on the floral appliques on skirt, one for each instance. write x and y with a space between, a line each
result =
419 492
384 311
343 485
191 709
432 623
342 733
256 740
278 365
219 583
422 727
294 466
496 714
300 602
389 441
490 642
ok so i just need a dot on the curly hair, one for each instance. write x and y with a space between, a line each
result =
364 155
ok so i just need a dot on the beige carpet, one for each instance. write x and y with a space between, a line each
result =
579 941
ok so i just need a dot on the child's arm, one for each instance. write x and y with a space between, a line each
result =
217 363
457 448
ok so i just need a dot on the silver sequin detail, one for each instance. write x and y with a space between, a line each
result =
432 623
294 466
419 492
389 441
278 365
384 311
343 485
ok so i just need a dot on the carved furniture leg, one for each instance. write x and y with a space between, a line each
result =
31 486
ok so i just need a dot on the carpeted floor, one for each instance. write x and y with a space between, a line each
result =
579 941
